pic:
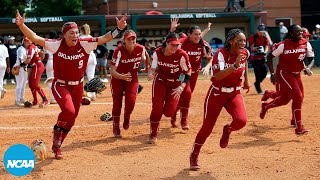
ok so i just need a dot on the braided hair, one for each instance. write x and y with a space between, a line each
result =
231 35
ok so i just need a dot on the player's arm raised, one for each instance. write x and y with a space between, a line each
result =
121 24
27 31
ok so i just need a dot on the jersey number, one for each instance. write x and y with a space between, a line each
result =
301 57
136 65
80 64
174 70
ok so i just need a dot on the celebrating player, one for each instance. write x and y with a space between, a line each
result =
37 68
230 68
125 65
70 58
292 52
171 80
196 48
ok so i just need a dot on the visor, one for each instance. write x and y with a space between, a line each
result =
174 41
130 34
70 26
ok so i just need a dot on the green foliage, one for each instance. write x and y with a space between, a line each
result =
42 8
8 7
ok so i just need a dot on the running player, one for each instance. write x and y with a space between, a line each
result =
230 68
171 80
70 58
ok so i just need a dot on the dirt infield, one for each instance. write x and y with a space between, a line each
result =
264 149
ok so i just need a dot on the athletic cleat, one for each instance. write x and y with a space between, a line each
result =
225 137
263 110
126 123
301 131
185 126
152 140
34 103
53 101
116 132
194 164
265 95
57 152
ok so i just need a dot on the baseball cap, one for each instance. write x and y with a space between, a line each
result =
129 34
306 34
12 38
318 26
261 27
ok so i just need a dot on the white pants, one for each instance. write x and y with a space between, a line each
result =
90 71
3 68
49 72
21 82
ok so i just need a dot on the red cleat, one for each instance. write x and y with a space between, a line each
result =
225 137
265 95
116 132
194 163
57 152
263 110
152 140
185 126
301 131
126 123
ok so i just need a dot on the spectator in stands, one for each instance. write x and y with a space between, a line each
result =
232 6
283 30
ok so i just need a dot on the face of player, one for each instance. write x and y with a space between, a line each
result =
72 36
238 43
170 48
296 33
130 42
195 36
26 43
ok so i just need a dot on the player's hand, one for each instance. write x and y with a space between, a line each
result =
174 24
127 77
150 76
273 79
177 92
246 85
122 23
308 72
239 58
19 18
209 25
206 70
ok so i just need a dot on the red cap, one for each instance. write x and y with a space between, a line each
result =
305 34
129 34
174 41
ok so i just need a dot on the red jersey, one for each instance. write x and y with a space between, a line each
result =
292 54
223 59
128 62
170 67
70 63
257 41
33 54
195 52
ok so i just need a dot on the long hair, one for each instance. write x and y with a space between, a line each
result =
230 36
85 29
170 35
290 30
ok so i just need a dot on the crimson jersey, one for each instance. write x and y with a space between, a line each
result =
170 67
223 59
128 62
33 54
292 54
70 63
195 52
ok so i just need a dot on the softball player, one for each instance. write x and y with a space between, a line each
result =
70 58
171 80
4 65
230 68
91 67
125 65
196 48
22 77
292 52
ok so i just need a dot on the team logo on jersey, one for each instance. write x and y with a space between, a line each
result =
72 57
131 60
194 53
293 51
167 64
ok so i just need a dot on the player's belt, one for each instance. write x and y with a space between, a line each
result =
35 63
72 83
227 89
